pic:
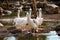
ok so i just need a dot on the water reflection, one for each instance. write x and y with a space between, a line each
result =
52 36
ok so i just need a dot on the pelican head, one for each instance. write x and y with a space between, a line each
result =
30 10
40 12
18 13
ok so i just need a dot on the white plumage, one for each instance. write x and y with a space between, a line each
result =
31 23
20 22
40 16
39 19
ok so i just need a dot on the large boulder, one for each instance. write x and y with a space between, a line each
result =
51 8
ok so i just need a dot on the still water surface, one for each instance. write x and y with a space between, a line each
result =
52 36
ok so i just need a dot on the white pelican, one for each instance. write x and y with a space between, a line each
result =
30 10
34 22
31 22
20 22
39 19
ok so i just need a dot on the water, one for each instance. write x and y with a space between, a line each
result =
52 36
9 38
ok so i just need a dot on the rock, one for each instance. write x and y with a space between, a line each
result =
57 29
15 31
28 35
1 24
11 28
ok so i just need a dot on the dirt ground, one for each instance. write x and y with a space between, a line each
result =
52 16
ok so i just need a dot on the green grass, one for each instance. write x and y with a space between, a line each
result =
50 24
14 14
41 37
6 23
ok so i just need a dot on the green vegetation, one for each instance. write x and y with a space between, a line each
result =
30 38
14 14
7 23
1 38
23 13
50 24
45 24
9 16
41 37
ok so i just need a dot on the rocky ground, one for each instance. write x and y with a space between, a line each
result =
5 31
51 16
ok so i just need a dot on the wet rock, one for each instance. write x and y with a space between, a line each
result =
15 31
11 28
57 29
28 35
33 31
